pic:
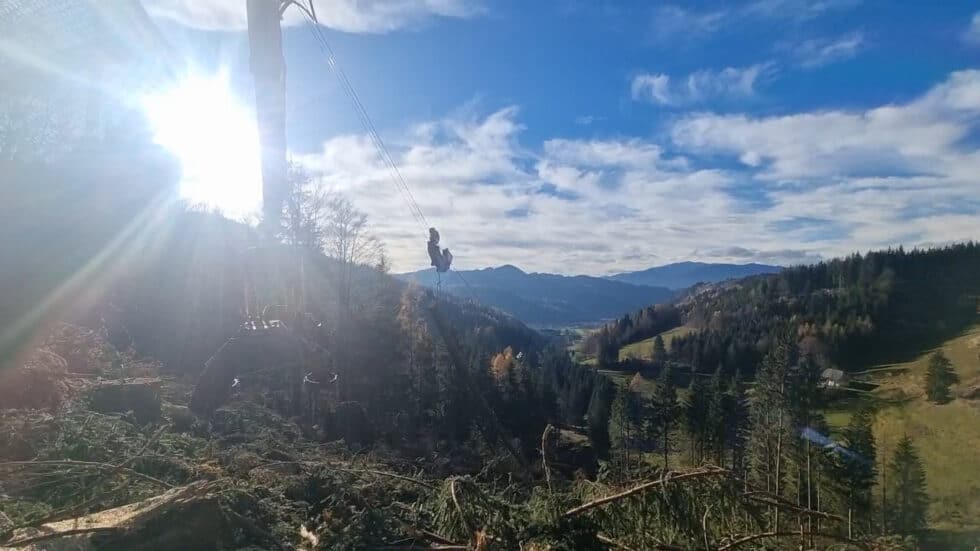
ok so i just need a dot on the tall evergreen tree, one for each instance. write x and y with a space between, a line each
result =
856 468
664 410
696 417
659 350
770 420
600 406
716 418
908 503
940 375
624 427
736 405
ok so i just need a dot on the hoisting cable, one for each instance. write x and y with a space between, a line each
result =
370 128
365 118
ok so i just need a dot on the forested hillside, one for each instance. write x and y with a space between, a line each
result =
883 305
791 378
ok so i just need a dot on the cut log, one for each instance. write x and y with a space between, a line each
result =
196 516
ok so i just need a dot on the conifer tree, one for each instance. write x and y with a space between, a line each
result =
908 502
600 406
770 420
736 405
940 375
857 470
695 417
716 420
659 350
624 428
664 406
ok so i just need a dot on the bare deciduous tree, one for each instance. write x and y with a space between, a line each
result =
305 210
346 239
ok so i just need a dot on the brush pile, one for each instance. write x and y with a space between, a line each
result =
83 467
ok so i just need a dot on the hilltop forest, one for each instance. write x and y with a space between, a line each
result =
879 306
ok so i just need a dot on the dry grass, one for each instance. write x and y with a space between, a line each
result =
643 350
947 437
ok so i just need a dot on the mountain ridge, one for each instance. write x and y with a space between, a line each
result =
545 299
681 275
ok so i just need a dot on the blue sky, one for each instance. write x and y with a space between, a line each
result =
580 136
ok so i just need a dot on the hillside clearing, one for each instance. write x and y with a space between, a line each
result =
947 436
643 350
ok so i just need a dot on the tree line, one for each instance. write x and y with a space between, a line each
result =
882 305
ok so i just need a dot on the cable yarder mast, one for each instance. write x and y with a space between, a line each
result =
269 75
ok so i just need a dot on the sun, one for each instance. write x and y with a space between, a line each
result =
202 122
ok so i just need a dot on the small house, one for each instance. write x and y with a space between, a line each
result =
834 378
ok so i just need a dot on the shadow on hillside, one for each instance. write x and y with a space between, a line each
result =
951 540
896 347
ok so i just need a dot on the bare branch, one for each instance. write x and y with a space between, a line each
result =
670 477
753 537
56 535
86 464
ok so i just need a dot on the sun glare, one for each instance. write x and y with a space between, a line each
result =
215 139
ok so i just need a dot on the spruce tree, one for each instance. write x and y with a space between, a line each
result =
770 420
659 350
940 375
908 502
856 467
716 417
696 416
664 406
736 406
600 405
624 428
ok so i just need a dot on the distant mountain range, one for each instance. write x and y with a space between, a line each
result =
682 275
546 300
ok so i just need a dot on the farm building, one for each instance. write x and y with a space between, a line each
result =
834 378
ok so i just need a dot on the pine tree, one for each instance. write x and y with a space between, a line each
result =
908 502
939 377
624 428
664 406
736 405
770 420
600 406
716 420
659 350
696 417
856 468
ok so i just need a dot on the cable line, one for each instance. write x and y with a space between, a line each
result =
369 127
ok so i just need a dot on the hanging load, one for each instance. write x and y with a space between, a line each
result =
440 259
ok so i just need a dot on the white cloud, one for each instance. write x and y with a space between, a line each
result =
813 185
919 136
888 175
730 82
585 200
673 24
652 87
817 52
799 10
356 16
972 33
